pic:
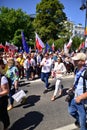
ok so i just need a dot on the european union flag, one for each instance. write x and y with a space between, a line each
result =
47 48
25 45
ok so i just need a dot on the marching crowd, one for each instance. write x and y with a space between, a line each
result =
22 65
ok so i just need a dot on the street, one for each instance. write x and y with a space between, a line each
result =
39 112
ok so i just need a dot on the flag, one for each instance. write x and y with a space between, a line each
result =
81 46
53 47
2 46
39 43
30 49
25 45
65 49
10 47
85 45
47 48
85 33
69 43
7 45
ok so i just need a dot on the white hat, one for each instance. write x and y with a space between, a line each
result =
79 56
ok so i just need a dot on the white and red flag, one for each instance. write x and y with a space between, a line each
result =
53 47
69 43
10 47
2 46
81 46
39 43
7 46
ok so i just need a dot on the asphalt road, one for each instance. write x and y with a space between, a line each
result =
39 112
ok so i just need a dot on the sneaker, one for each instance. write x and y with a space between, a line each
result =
77 124
10 107
45 91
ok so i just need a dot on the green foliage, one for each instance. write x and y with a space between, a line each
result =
11 23
76 42
49 13
50 23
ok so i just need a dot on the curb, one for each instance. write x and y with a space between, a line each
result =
50 79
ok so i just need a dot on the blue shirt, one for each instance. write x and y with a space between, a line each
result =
79 86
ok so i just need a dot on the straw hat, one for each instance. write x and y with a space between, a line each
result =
79 56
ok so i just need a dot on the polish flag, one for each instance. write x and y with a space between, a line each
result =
2 46
10 47
69 44
66 50
7 45
39 43
53 47
81 46
85 43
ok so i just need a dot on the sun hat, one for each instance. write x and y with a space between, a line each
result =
79 56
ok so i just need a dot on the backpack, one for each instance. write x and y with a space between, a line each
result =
9 80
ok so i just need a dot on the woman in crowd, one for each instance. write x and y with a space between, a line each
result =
4 90
13 74
59 70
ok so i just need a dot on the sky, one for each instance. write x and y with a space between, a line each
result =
72 8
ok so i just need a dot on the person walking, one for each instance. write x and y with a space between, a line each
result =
46 65
27 65
59 70
4 91
76 106
13 74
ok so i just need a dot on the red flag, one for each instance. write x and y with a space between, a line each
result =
39 43
7 46
53 47
2 46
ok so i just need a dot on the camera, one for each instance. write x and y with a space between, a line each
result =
70 96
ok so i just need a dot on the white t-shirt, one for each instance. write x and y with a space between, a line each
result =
3 80
46 68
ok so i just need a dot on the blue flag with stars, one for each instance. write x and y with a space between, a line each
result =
25 45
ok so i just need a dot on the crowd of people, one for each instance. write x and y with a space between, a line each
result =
22 65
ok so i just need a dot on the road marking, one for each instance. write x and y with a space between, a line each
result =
68 127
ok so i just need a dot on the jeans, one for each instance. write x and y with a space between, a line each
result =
44 78
27 73
78 112
11 93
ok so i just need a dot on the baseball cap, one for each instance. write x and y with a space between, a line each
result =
79 56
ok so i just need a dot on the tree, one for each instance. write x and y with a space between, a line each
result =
76 42
49 13
12 22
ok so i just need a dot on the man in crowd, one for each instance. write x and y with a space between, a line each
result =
76 105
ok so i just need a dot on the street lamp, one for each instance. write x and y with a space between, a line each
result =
84 6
